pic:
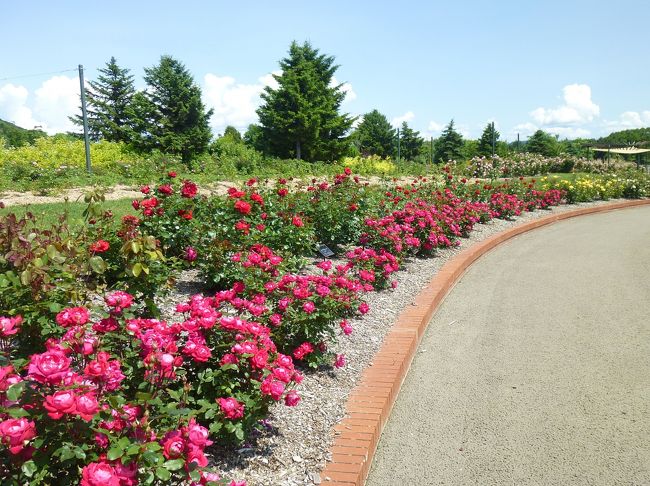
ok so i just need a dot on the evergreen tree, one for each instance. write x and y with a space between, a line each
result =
542 143
108 105
375 135
171 116
410 142
490 136
232 133
254 138
301 117
450 144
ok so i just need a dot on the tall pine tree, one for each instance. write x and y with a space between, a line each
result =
375 135
300 118
410 142
108 102
171 115
450 144
488 140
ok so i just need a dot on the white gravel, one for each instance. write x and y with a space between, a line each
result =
296 445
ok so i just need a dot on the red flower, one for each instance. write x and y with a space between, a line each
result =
49 367
87 406
9 325
145 189
171 174
61 403
231 408
15 432
166 190
100 246
243 207
283 191
297 221
189 189
347 171
292 399
99 474
73 316
173 445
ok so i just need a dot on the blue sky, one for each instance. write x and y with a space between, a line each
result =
572 67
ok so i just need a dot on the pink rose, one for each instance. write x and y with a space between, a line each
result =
173 445
197 434
61 403
9 325
87 406
190 254
49 368
15 432
309 307
292 399
231 408
339 362
99 474
72 316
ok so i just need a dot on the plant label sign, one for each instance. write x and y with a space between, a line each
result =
325 251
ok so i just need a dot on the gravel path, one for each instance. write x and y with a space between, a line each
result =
535 369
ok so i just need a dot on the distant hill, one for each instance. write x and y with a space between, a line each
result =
637 136
15 136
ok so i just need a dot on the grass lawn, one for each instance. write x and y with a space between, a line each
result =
49 213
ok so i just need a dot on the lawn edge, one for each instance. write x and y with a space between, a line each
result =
370 403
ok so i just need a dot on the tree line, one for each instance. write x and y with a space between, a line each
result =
301 118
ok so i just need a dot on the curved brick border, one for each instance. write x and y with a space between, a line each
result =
370 403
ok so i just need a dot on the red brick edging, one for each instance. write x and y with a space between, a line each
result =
370 403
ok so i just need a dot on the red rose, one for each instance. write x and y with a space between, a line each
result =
99 474
165 190
243 207
197 434
87 406
292 399
297 221
15 432
73 316
231 408
100 246
171 174
61 403
173 445
189 189
9 325
283 192
49 367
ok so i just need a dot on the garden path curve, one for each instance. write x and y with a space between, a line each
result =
535 370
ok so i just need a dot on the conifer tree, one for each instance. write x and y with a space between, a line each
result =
410 142
108 105
300 118
375 135
489 137
171 115
450 144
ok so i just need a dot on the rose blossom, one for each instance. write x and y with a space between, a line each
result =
190 254
231 408
173 445
61 403
49 367
99 474
243 207
339 362
87 406
15 432
197 434
9 325
73 316
292 399
100 246
189 189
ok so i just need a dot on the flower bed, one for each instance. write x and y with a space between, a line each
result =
111 393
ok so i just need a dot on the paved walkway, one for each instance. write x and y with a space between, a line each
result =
536 368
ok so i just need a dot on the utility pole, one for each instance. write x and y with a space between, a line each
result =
431 154
84 115
398 146
493 139
517 143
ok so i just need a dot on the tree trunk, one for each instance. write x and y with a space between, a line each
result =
298 154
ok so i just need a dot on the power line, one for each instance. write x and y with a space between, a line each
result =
36 75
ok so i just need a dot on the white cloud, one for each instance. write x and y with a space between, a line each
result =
13 101
568 132
524 130
406 117
630 119
578 108
51 104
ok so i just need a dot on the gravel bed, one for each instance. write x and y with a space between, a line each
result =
294 447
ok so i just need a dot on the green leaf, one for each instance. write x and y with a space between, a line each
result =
174 464
115 453
29 468
97 264
133 450
137 269
162 473
16 390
